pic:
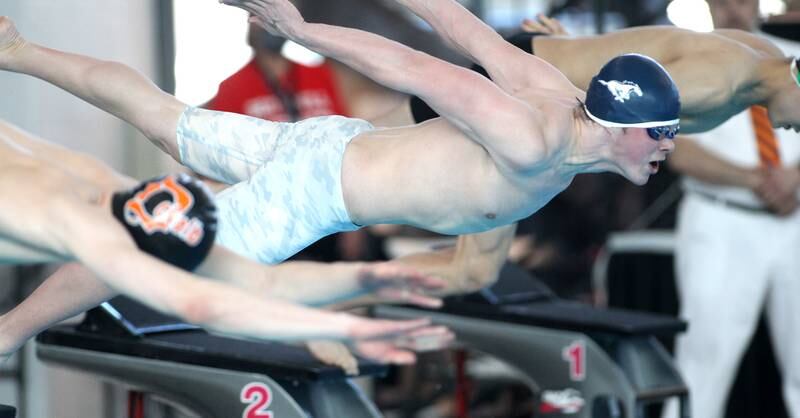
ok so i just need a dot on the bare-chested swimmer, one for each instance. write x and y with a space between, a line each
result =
501 151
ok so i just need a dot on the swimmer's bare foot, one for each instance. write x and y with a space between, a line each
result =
11 42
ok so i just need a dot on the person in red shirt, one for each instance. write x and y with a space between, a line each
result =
275 86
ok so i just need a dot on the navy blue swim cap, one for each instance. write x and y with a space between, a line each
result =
633 91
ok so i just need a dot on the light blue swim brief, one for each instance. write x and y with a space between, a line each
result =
287 189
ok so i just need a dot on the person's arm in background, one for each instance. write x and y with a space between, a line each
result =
777 187
691 159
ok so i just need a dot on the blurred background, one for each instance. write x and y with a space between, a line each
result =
189 47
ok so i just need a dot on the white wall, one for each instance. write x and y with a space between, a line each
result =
122 30
111 29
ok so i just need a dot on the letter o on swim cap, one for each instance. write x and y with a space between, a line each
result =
633 90
173 218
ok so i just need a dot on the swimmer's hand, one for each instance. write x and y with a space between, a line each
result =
393 282
278 17
11 42
388 340
543 24
334 353
399 349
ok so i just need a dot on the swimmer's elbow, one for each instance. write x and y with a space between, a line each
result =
211 307
208 306
198 310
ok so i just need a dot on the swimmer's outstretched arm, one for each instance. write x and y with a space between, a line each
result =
72 229
508 66
111 86
472 264
73 289
313 283
512 134
112 256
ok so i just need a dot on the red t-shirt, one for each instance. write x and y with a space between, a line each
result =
312 88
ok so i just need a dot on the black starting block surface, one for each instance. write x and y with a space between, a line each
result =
127 328
519 298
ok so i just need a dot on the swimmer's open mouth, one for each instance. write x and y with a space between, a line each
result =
654 166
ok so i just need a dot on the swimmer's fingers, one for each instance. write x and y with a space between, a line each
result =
366 328
426 339
543 24
400 350
334 353
553 24
395 282
529 25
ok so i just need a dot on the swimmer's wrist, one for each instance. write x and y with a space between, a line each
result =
344 326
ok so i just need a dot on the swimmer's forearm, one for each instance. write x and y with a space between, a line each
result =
438 83
308 283
457 27
315 284
387 62
111 86
474 263
507 66
108 252
444 264
211 305
71 290
691 159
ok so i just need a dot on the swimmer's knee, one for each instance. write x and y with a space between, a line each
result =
159 124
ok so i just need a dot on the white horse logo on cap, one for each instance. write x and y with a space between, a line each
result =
622 90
